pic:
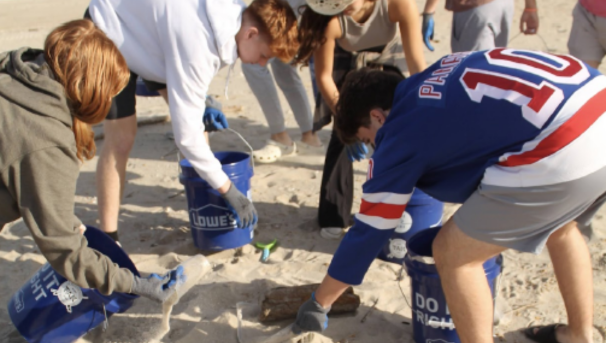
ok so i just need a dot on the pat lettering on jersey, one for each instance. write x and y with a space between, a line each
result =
438 77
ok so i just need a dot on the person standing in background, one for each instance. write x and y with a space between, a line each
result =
261 83
343 36
587 42
480 24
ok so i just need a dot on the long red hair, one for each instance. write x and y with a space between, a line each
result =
92 70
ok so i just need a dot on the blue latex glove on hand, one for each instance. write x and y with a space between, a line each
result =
356 151
427 30
311 317
214 120
158 287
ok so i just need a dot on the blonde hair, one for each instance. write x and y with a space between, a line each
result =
276 20
92 70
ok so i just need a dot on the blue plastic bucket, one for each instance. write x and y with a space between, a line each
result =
48 308
213 226
422 212
142 90
430 315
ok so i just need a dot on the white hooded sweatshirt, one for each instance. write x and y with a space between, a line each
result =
182 43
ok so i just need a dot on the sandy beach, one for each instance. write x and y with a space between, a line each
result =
155 232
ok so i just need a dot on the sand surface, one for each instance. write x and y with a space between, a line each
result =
154 226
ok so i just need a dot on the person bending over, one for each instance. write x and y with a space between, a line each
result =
515 136
177 47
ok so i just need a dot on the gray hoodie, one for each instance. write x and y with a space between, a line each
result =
39 169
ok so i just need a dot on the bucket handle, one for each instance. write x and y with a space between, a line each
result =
105 321
252 161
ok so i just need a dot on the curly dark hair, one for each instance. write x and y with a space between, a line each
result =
362 91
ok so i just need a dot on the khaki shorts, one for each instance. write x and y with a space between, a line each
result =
588 35
523 218
481 28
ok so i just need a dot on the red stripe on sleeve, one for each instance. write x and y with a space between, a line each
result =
565 134
379 209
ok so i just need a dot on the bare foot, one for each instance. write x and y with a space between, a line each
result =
565 335
282 137
311 138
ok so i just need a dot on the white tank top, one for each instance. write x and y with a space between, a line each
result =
376 31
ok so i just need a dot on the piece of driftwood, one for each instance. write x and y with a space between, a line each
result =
283 302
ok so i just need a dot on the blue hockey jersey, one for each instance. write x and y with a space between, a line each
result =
504 117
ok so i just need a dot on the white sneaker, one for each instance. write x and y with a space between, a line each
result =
332 232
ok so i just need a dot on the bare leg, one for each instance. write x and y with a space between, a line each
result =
288 79
111 168
572 265
459 260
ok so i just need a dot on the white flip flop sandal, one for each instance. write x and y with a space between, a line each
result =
273 151
333 233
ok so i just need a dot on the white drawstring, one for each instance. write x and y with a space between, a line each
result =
231 67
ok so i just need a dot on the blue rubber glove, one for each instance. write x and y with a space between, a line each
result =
214 120
427 30
311 317
356 151
158 287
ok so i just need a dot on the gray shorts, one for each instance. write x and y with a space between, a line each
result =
483 27
588 35
522 218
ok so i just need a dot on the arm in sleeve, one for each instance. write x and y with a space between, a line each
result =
190 67
43 184
392 175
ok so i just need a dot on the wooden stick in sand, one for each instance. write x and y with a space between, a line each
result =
283 302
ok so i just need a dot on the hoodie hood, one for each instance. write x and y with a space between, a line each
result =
225 18
27 81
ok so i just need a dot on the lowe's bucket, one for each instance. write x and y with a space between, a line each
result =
422 212
213 226
430 315
48 308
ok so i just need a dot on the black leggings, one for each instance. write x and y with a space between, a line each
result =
336 192
123 104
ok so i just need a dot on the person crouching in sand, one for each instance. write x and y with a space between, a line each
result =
48 101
